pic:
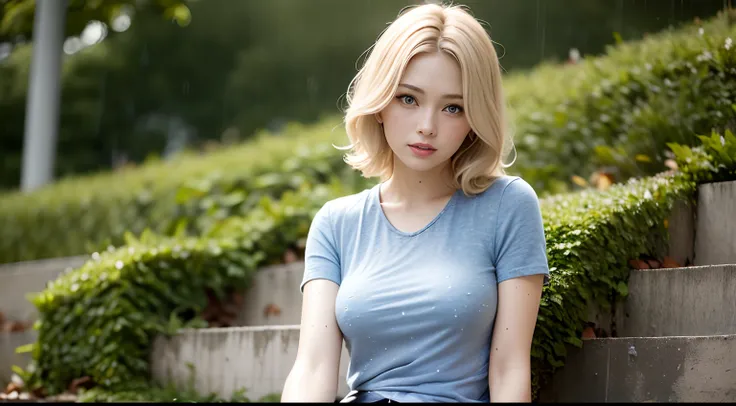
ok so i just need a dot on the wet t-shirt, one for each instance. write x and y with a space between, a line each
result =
417 309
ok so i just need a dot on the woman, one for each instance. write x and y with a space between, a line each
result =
434 276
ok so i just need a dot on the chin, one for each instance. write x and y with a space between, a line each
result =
421 165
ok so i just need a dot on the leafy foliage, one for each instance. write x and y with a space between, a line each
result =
99 320
616 113
592 234
16 16
94 211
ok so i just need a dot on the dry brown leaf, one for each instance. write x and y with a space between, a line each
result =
271 310
670 263
588 333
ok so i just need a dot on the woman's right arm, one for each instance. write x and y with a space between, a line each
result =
314 376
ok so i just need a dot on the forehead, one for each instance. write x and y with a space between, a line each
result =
435 72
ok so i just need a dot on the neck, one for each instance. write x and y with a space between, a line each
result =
409 188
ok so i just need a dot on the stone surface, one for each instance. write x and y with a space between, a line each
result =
689 301
653 369
715 236
225 360
19 279
9 342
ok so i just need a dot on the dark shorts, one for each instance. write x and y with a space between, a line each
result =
364 397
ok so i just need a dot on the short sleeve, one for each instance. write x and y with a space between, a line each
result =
520 247
321 259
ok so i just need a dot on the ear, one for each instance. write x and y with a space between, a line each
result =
378 118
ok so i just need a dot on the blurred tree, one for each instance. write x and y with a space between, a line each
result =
16 16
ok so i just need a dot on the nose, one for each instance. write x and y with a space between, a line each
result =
426 125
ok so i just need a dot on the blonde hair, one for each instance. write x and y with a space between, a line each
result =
420 29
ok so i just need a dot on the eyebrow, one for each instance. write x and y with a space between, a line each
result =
418 90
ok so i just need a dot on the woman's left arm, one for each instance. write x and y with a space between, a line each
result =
509 374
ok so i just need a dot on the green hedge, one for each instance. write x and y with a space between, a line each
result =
81 215
99 320
617 112
560 132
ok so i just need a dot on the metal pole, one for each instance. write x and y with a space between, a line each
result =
44 95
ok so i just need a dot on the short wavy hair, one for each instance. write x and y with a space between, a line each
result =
420 29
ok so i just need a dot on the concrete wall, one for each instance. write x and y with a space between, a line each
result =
224 360
8 343
680 302
278 286
660 369
715 237
21 278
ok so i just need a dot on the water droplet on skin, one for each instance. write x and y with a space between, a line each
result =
468 294
449 287
346 308
462 329
438 370
447 277
412 338
456 316
402 313
385 349
433 307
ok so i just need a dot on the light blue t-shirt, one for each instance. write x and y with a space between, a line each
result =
417 309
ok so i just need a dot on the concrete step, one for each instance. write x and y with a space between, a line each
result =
21 278
225 360
9 342
689 301
715 232
705 234
651 369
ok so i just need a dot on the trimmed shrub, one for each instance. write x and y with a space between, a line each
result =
99 320
616 113
82 215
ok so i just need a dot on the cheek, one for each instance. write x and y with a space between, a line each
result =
458 132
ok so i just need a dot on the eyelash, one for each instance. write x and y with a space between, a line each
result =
402 96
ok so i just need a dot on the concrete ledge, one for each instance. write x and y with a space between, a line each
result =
715 236
8 343
275 285
680 302
225 360
21 278
661 369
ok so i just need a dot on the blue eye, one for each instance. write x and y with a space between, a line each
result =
457 110
406 99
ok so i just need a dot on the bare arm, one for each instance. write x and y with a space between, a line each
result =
313 378
509 374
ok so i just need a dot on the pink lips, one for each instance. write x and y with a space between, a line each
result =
422 150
